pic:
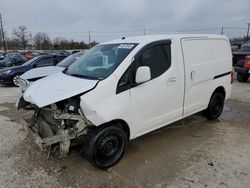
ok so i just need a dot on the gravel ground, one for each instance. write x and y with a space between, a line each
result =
192 152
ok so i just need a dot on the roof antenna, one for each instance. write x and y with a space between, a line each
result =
123 38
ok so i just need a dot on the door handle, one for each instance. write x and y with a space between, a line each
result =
171 81
192 75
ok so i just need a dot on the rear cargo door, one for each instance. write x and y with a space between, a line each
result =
204 58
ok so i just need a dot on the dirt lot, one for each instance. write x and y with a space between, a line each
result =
193 152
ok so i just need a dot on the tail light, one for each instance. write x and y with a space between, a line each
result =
232 77
247 62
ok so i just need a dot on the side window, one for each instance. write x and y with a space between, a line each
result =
157 59
19 58
55 60
60 58
44 62
124 82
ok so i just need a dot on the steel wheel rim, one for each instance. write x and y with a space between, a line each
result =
109 148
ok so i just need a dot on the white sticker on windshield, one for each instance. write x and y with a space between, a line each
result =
126 46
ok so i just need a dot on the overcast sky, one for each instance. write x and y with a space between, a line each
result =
105 19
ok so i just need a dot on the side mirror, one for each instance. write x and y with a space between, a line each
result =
143 74
34 65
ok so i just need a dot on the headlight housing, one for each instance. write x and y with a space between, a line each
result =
23 84
6 72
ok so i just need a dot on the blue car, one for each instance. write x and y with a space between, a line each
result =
11 59
9 76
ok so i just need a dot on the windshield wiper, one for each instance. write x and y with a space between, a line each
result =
85 76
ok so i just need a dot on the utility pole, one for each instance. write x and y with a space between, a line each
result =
4 43
222 30
248 25
144 31
31 42
40 42
89 40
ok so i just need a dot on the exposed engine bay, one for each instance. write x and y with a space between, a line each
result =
60 125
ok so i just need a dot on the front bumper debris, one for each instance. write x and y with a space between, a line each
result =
47 135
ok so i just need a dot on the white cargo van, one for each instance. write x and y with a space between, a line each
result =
125 88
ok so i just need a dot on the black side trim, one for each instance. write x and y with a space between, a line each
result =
221 75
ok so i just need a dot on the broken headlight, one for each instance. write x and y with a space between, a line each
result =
23 84
72 105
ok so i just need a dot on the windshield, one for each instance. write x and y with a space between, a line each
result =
100 61
69 60
30 61
245 49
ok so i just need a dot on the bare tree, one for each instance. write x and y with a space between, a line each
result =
61 43
2 40
42 41
21 35
13 44
21 39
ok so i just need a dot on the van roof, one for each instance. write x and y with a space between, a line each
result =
151 38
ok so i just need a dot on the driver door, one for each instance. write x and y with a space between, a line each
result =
159 100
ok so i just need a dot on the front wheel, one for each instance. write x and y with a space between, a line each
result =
105 146
15 79
215 106
242 77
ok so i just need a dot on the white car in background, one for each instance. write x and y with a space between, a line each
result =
35 74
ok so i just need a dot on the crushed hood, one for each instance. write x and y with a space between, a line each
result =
41 72
56 87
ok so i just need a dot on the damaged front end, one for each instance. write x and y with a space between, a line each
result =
58 126
58 122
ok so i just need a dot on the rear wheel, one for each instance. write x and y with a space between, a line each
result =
215 106
105 146
242 77
15 78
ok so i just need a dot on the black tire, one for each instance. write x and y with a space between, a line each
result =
105 146
242 77
215 106
14 79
